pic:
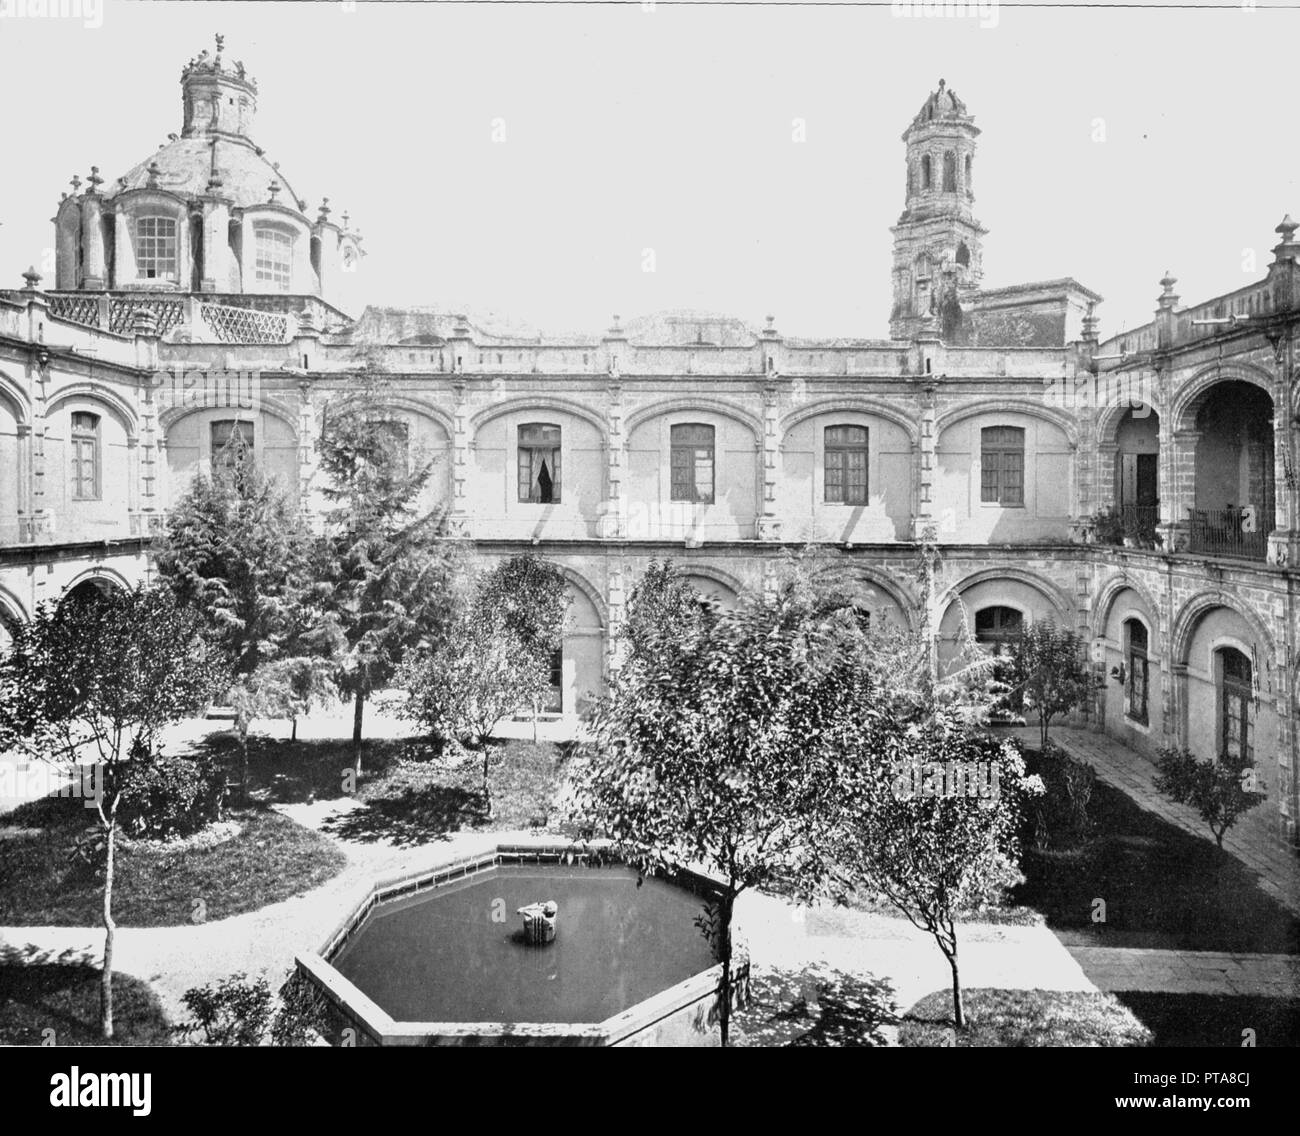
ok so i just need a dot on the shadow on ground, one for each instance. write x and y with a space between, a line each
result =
49 999
816 1006
1216 1020
1162 887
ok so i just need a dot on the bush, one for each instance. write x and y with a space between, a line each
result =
240 1012
171 796
1221 791
1061 813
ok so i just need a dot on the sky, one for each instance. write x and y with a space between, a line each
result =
522 159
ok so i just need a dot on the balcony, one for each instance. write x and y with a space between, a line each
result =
1238 532
1133 526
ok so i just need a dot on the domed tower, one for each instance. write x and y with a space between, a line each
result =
937 241
207 212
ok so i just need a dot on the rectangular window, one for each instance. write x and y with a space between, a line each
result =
1138 672
85 457
155 248
1236 695
692 463
539 464
232 444
1002 465
846 465
274 249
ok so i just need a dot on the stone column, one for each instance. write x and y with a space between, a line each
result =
612 524
217 257
924 522
94 275
769 524
460 461
124 269
1178 485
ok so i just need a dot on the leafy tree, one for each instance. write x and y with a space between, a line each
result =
934 853
664 612
1049 672
1221 791
280 688
384 571
239 1011
237 550
530 598
476 673
101 678
726 755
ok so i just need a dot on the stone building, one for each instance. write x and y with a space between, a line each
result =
1141 490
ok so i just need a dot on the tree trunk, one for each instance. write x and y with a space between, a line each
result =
293 733
958 1010
1042 731
106 979
725 907
536 712
358 711
243 767
487 785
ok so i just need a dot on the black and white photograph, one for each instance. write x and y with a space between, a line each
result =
649 523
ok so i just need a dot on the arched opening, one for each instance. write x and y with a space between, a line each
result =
949 172
1137 463
968 167
1234 679
1137 671
1233 508
88 592
927 172
963 254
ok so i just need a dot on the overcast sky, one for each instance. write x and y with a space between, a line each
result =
1115 145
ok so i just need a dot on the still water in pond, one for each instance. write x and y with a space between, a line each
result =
456 953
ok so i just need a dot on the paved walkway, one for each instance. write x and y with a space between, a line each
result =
1190 972
1250 840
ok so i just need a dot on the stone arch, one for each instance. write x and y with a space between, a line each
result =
412 404
907 603
1111 416
105 579
538 402
10 391
580 583
1105 601
708 572
1056 417
12 610
1191 394
1049 591
168 418
1200 605
644 414
122 410
854 405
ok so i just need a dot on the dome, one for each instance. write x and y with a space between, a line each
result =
941 104
186 166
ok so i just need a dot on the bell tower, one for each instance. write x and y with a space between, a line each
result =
938 255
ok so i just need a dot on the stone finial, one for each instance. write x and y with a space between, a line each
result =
324 214
345 217
76 183
1167 282
32 279
215 183
95 181
221 44
144 322
273 189
1287 228
154 171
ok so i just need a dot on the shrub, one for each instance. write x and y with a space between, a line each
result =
238 1011
171 796
1062 811
1221 791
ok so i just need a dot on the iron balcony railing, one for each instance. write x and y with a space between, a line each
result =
1238 531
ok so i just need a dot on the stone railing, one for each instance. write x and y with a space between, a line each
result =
167 312
76 309
242 325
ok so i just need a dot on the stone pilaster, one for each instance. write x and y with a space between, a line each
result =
769 524
612 524
460 460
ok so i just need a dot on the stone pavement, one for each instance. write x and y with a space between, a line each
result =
1189 972
1249 840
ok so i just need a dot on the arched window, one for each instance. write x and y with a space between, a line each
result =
1136 686
1236 704
232 444
274 252
155 248
539 463
395 440
846 465
998 627
950 172
86 473
1002 465
927 172
963 254
692 462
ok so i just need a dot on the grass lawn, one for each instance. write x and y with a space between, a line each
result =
35 997
1216 1020
413 794
1020 1018
271 859
815 1007
1163 887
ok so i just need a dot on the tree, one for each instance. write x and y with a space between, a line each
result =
532 598
726 755
101 678
1049 673
664 613
935 853
476 673
281 688
1221 791
384 573
237 550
